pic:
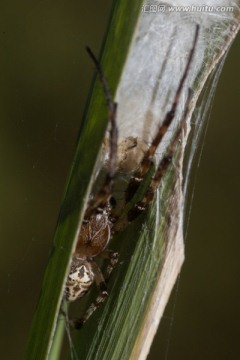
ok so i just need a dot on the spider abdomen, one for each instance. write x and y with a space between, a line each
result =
79 280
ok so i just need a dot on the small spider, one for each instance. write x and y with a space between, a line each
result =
100 222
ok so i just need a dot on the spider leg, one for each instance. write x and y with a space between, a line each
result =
113 257
108 96
99 279
142 205
147 160
101 198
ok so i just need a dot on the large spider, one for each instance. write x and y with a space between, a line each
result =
100 222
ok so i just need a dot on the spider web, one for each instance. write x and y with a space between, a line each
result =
138 105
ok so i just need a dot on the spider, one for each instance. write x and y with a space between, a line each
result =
100 223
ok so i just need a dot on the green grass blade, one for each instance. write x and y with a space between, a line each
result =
122 23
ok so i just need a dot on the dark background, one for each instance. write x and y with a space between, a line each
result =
45 76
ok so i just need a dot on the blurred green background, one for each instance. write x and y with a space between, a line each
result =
45 76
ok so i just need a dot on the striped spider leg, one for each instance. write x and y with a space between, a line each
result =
99 222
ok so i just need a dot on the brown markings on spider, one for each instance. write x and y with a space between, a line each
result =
100 222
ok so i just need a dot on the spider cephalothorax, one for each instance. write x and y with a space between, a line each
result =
100 222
